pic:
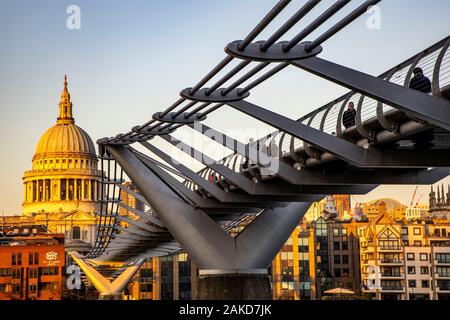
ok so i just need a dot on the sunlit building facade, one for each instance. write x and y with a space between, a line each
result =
405 260
31 264
164 278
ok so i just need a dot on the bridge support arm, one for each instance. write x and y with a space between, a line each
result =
107 289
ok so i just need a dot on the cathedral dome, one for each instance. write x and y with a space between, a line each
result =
65 136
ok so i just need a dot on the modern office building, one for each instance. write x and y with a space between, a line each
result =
164 278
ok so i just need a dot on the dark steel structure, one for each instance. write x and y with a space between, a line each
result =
400 136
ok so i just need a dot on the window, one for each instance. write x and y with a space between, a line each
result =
321 228
32 288
410 256
76 233
443 271
437 232
33 272
17 259
416 231
345 259
287 255
302 241
345 245
337 273
302 256
287 285
443 257
412 283
405 231
335 232
417 243
388 240
146 287
6 288
33 258
50 286
337 259
425 284
49 271
5 272
337 245
411 270
424 270
17 289
423 257
344 232
17 273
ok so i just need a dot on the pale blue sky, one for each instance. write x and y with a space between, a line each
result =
131 58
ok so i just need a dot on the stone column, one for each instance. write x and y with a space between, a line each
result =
25 192
57 194
35 191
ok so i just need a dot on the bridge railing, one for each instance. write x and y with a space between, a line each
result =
112 176
247 64
435 63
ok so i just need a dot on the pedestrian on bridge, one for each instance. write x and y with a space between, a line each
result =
348 119
419 82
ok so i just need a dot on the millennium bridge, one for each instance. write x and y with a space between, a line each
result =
399 135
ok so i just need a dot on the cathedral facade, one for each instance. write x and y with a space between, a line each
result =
440 204
61 191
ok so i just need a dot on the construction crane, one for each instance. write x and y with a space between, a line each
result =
413 196
418 199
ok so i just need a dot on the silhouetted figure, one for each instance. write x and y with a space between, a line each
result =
419 82
348 118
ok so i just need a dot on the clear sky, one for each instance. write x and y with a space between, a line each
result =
131 58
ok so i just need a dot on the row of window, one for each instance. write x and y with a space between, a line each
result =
417 231
32 272
412 256
16 258
341 259
423 270
413 283
337 245
70 161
